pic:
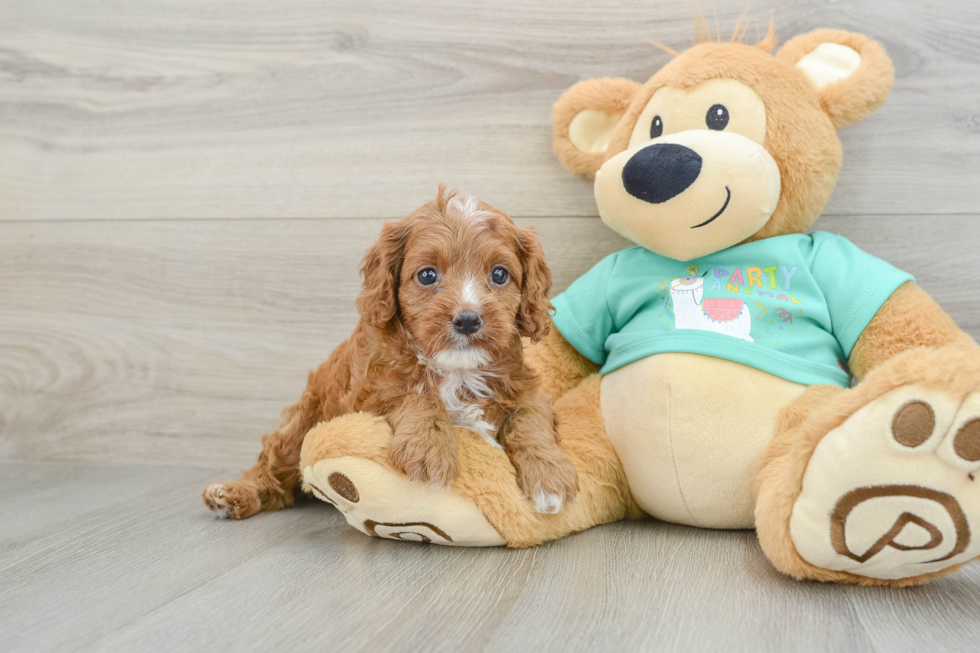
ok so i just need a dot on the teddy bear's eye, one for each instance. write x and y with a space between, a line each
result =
656 127
717 117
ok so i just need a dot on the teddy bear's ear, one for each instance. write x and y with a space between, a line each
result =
851 72
584 119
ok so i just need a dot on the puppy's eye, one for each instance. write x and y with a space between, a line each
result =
656 127
717 117
499 276
427 276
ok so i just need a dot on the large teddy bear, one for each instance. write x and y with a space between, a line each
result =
704 376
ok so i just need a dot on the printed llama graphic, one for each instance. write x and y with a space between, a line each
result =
730 317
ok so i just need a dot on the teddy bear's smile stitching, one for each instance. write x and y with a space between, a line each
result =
728 198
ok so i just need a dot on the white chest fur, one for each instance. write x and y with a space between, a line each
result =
458 389
463 383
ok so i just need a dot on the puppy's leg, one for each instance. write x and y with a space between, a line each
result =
269 484
423 442
544 472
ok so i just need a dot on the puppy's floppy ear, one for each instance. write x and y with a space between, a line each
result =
381 269
583 121
850 72
534 314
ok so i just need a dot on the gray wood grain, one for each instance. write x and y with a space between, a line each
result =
178 342
158 573
242 109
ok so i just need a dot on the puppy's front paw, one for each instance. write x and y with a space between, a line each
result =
432 459
547 503
549 483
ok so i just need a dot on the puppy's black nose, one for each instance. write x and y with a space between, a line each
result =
467 322
661 171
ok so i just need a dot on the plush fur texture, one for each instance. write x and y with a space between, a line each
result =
610 96
559 366
406 361
857 96
804 423
910 319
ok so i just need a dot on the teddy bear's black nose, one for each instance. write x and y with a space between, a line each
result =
661 171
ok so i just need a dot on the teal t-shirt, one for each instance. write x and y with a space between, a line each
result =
793 306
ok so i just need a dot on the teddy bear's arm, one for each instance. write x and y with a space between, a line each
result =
910 318
559 366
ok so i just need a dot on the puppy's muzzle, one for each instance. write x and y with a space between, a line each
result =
467 322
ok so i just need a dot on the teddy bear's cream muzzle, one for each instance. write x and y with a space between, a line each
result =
689 194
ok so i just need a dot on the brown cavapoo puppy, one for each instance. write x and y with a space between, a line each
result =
448 293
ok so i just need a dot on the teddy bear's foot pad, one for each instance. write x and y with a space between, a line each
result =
894 491
382 503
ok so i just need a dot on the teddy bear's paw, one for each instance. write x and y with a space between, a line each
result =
382 503
894 491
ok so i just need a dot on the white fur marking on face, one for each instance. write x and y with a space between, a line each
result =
469 294
546 502
468 207
463 358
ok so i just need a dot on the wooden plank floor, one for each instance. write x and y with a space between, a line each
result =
133 564
185 191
